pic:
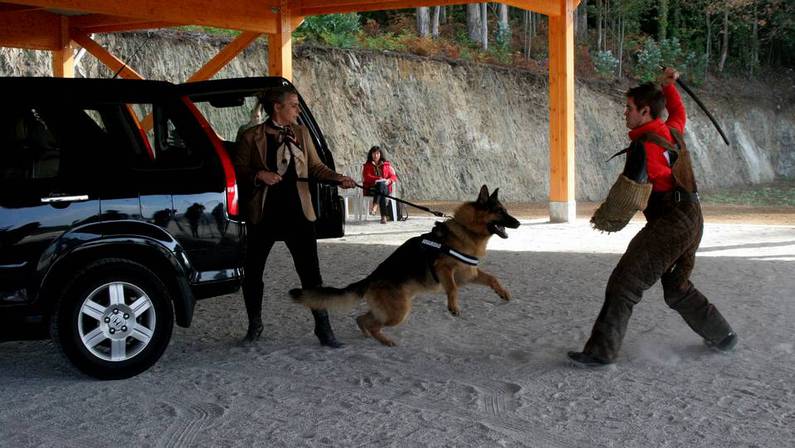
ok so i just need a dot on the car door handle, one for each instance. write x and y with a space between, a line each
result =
70 198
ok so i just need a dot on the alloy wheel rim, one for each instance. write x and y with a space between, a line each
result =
116 321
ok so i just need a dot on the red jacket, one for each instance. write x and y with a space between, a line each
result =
369 177
657 165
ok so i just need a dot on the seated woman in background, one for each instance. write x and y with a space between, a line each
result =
377 179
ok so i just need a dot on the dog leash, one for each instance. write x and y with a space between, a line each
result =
421 207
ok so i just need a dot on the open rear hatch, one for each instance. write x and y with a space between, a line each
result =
230 105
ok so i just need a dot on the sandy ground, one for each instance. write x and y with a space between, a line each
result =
496 376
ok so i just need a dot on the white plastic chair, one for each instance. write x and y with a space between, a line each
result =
357 205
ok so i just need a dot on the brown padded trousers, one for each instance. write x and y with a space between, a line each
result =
665 249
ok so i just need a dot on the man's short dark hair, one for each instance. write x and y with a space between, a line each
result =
275 95
648 94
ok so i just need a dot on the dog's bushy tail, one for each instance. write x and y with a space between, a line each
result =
324 297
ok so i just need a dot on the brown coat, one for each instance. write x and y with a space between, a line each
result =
250 159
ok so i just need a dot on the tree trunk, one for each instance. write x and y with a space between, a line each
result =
473 21
622 26
754 59
528 33
484 25
708 50
504 27
443 15
610 24
423 22
435 22
724 50
582 11
662 20
599 25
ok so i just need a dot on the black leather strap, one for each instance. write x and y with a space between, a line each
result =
676 196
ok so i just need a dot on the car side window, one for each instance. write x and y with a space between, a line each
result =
28 149
166 145
52 150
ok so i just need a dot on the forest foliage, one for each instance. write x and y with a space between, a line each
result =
614 39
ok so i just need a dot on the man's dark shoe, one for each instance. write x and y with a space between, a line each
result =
725 345
254 332
580 359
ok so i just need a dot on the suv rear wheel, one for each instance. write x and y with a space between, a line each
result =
114 319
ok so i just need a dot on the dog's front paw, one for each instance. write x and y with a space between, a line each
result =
504 294
454 310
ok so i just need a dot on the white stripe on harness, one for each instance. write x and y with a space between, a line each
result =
472 261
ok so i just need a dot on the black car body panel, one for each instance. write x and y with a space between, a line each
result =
119 209
80 181
104 169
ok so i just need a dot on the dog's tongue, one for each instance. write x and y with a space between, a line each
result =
498 230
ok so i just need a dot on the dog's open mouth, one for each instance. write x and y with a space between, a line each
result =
498 230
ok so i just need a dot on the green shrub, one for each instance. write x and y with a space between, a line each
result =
605 64
668 53
386 41
338 30
331 23
649 60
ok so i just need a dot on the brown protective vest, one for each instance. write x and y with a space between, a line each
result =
682 168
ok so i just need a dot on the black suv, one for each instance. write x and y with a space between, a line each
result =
118 209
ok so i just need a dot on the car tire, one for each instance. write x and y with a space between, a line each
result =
114 319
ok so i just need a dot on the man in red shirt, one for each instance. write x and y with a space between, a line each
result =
665 248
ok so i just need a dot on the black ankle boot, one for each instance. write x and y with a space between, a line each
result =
254 331
724 345
581 359
323 330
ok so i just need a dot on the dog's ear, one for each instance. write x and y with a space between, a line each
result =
493 197
483 197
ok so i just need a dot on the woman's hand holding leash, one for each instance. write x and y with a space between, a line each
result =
347 182
268 177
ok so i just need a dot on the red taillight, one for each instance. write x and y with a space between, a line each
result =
226 163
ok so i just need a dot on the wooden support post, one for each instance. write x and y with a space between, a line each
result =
63 58
104 56
280 44
113 63
562 205
223 57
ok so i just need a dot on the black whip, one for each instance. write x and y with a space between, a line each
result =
702 106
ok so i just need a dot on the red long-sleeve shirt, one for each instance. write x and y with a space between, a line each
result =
657 165
369 176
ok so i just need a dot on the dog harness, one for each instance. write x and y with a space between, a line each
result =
432 240
447 250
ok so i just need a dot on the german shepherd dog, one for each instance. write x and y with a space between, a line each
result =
423 264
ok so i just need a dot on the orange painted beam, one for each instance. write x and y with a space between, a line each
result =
101 23
561 105
244 15
20 28
280 45
104 56
549 8
318 7
8 7
223 57
63 58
